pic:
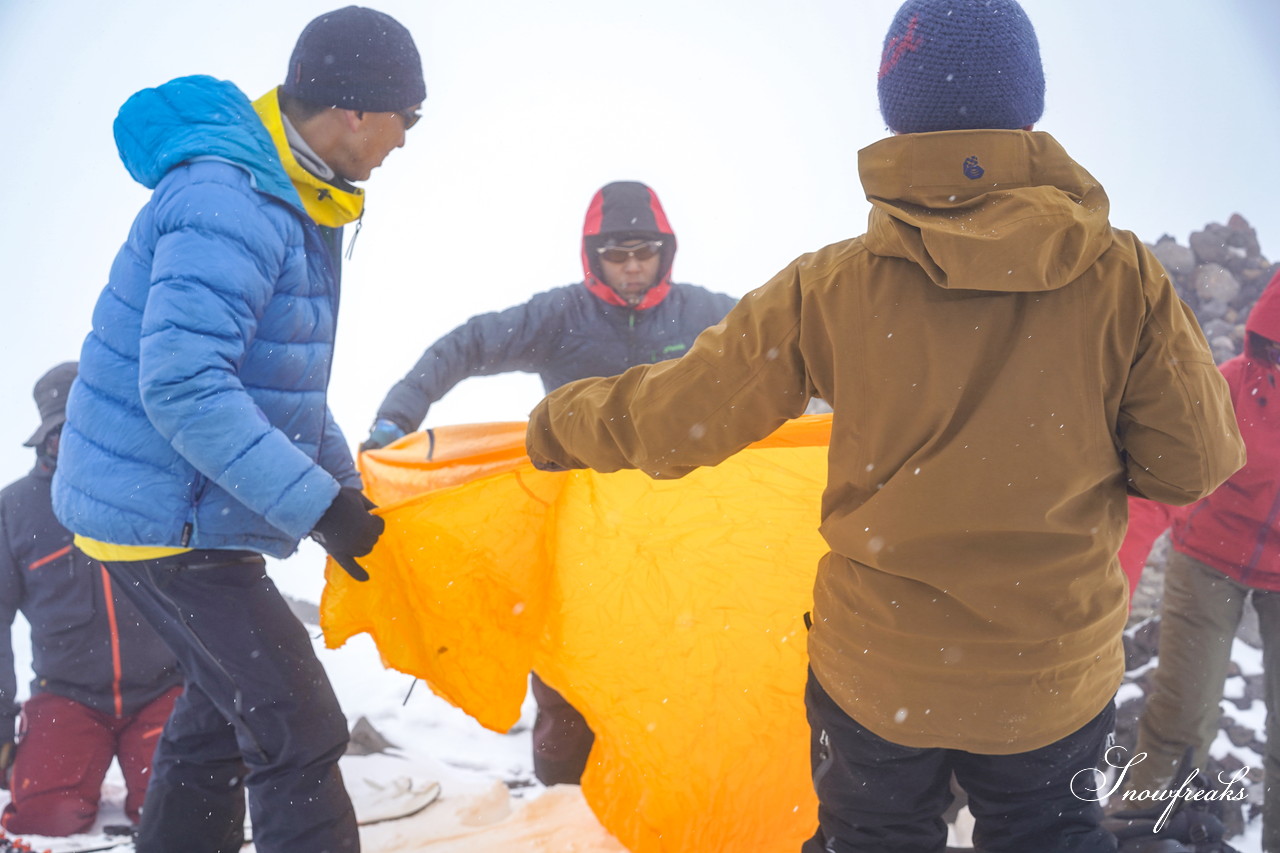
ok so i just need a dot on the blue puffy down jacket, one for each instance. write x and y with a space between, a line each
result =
199 418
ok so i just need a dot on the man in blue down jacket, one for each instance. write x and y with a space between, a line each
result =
626 311
198 434
104 683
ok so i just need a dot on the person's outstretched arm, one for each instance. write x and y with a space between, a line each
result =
740 381
517 339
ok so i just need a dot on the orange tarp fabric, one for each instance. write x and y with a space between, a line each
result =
670 613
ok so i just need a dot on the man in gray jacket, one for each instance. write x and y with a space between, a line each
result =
625 311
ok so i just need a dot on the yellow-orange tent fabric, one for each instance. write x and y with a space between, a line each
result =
670 613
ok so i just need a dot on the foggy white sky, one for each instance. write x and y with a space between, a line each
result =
744 115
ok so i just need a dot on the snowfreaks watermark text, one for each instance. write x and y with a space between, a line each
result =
1136 799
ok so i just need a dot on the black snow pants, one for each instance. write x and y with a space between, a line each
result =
255 698
879 797
562 739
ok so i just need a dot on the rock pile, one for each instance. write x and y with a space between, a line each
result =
1219 274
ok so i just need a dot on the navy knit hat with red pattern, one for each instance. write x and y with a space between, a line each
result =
358 59
960 65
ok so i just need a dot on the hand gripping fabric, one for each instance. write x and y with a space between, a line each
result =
347 530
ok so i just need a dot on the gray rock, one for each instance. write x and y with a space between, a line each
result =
1177 260
1210 245
1243 235
366 740
1239 735
1218 328
1215 283
1224 349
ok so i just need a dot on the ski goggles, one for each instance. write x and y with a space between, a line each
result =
622 254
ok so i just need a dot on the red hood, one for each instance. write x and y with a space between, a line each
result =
1264 319
617 210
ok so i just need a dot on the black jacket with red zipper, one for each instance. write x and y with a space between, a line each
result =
88 644
574 331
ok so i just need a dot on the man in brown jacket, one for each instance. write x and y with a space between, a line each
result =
1004 367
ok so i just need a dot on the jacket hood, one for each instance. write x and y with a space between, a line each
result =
619 209
1264 318
996 210
198 117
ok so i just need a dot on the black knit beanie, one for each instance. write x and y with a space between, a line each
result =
359 59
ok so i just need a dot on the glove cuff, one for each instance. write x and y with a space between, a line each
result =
382 433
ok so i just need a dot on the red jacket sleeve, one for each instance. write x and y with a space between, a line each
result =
1147 520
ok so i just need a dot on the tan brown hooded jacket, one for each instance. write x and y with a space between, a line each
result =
1004 366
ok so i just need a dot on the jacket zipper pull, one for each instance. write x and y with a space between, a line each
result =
351 244
186 534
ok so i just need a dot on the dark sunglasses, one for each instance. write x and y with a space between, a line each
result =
409 117
622 254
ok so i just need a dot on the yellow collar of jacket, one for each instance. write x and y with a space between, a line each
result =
327 204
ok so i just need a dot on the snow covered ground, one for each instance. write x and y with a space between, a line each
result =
490 802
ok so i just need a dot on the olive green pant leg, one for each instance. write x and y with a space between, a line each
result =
1199 616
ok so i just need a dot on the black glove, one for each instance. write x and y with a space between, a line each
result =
382 433
7 749
347 530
